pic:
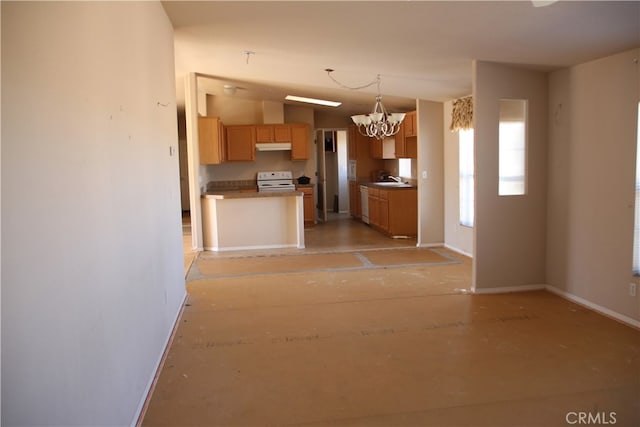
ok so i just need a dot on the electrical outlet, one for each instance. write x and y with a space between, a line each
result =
632 289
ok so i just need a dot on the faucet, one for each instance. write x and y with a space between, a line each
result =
396 179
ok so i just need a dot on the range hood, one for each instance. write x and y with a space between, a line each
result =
273 146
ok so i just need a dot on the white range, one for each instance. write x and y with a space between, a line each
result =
275 181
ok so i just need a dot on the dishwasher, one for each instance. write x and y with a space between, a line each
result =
364 193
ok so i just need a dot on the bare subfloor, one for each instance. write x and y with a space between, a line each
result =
353 331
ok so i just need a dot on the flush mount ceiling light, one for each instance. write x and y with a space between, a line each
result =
379 123
229 89
542 3
313 101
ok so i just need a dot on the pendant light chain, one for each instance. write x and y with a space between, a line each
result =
379 123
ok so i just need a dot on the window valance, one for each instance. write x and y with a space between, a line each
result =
462 115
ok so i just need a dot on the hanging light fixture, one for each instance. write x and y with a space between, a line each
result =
379 123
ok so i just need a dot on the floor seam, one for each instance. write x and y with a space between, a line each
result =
479 404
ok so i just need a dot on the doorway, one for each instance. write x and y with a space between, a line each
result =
331 167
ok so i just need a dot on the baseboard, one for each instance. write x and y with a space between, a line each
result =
595 307
144 403
460 251
509 289
430 245
250 248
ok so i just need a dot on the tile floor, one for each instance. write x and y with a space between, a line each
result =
359 330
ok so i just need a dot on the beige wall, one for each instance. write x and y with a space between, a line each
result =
592 149
93 279
331 120
509 231
430 160
235 111
456 236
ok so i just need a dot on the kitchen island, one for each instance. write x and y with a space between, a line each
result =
258 220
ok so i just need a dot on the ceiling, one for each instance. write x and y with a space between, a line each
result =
421 49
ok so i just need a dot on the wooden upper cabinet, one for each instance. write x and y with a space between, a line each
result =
273 133
410 126
375 148
406 140
240 143
211 140
299 141
400 145
411 147
264 133
282 133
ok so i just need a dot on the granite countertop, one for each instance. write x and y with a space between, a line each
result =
241 195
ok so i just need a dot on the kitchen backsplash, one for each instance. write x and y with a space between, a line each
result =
231 184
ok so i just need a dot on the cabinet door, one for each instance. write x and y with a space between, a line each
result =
403 212
400 143
411 147
299 142
308 206
309 211
410 128
210 140
375 148
241 143
264 133
282 133
383 211
374 202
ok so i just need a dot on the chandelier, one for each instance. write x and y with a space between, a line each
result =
379 123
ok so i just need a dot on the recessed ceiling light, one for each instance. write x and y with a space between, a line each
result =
313 101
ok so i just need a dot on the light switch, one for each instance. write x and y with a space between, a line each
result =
424 174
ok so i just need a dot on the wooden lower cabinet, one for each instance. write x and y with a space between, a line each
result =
355 200
394 212
309 205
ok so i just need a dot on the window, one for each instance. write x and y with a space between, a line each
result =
465 139
404 168
636 228
512 148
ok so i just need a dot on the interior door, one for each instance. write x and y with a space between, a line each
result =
322 176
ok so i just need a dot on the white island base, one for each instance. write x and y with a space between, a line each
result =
242 221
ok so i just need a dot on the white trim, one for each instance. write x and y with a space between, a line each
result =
429 245
460 251
142 406
595 307
509 289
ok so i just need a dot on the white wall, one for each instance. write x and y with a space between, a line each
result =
92 276
592 151
430 122
456 236
510 231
